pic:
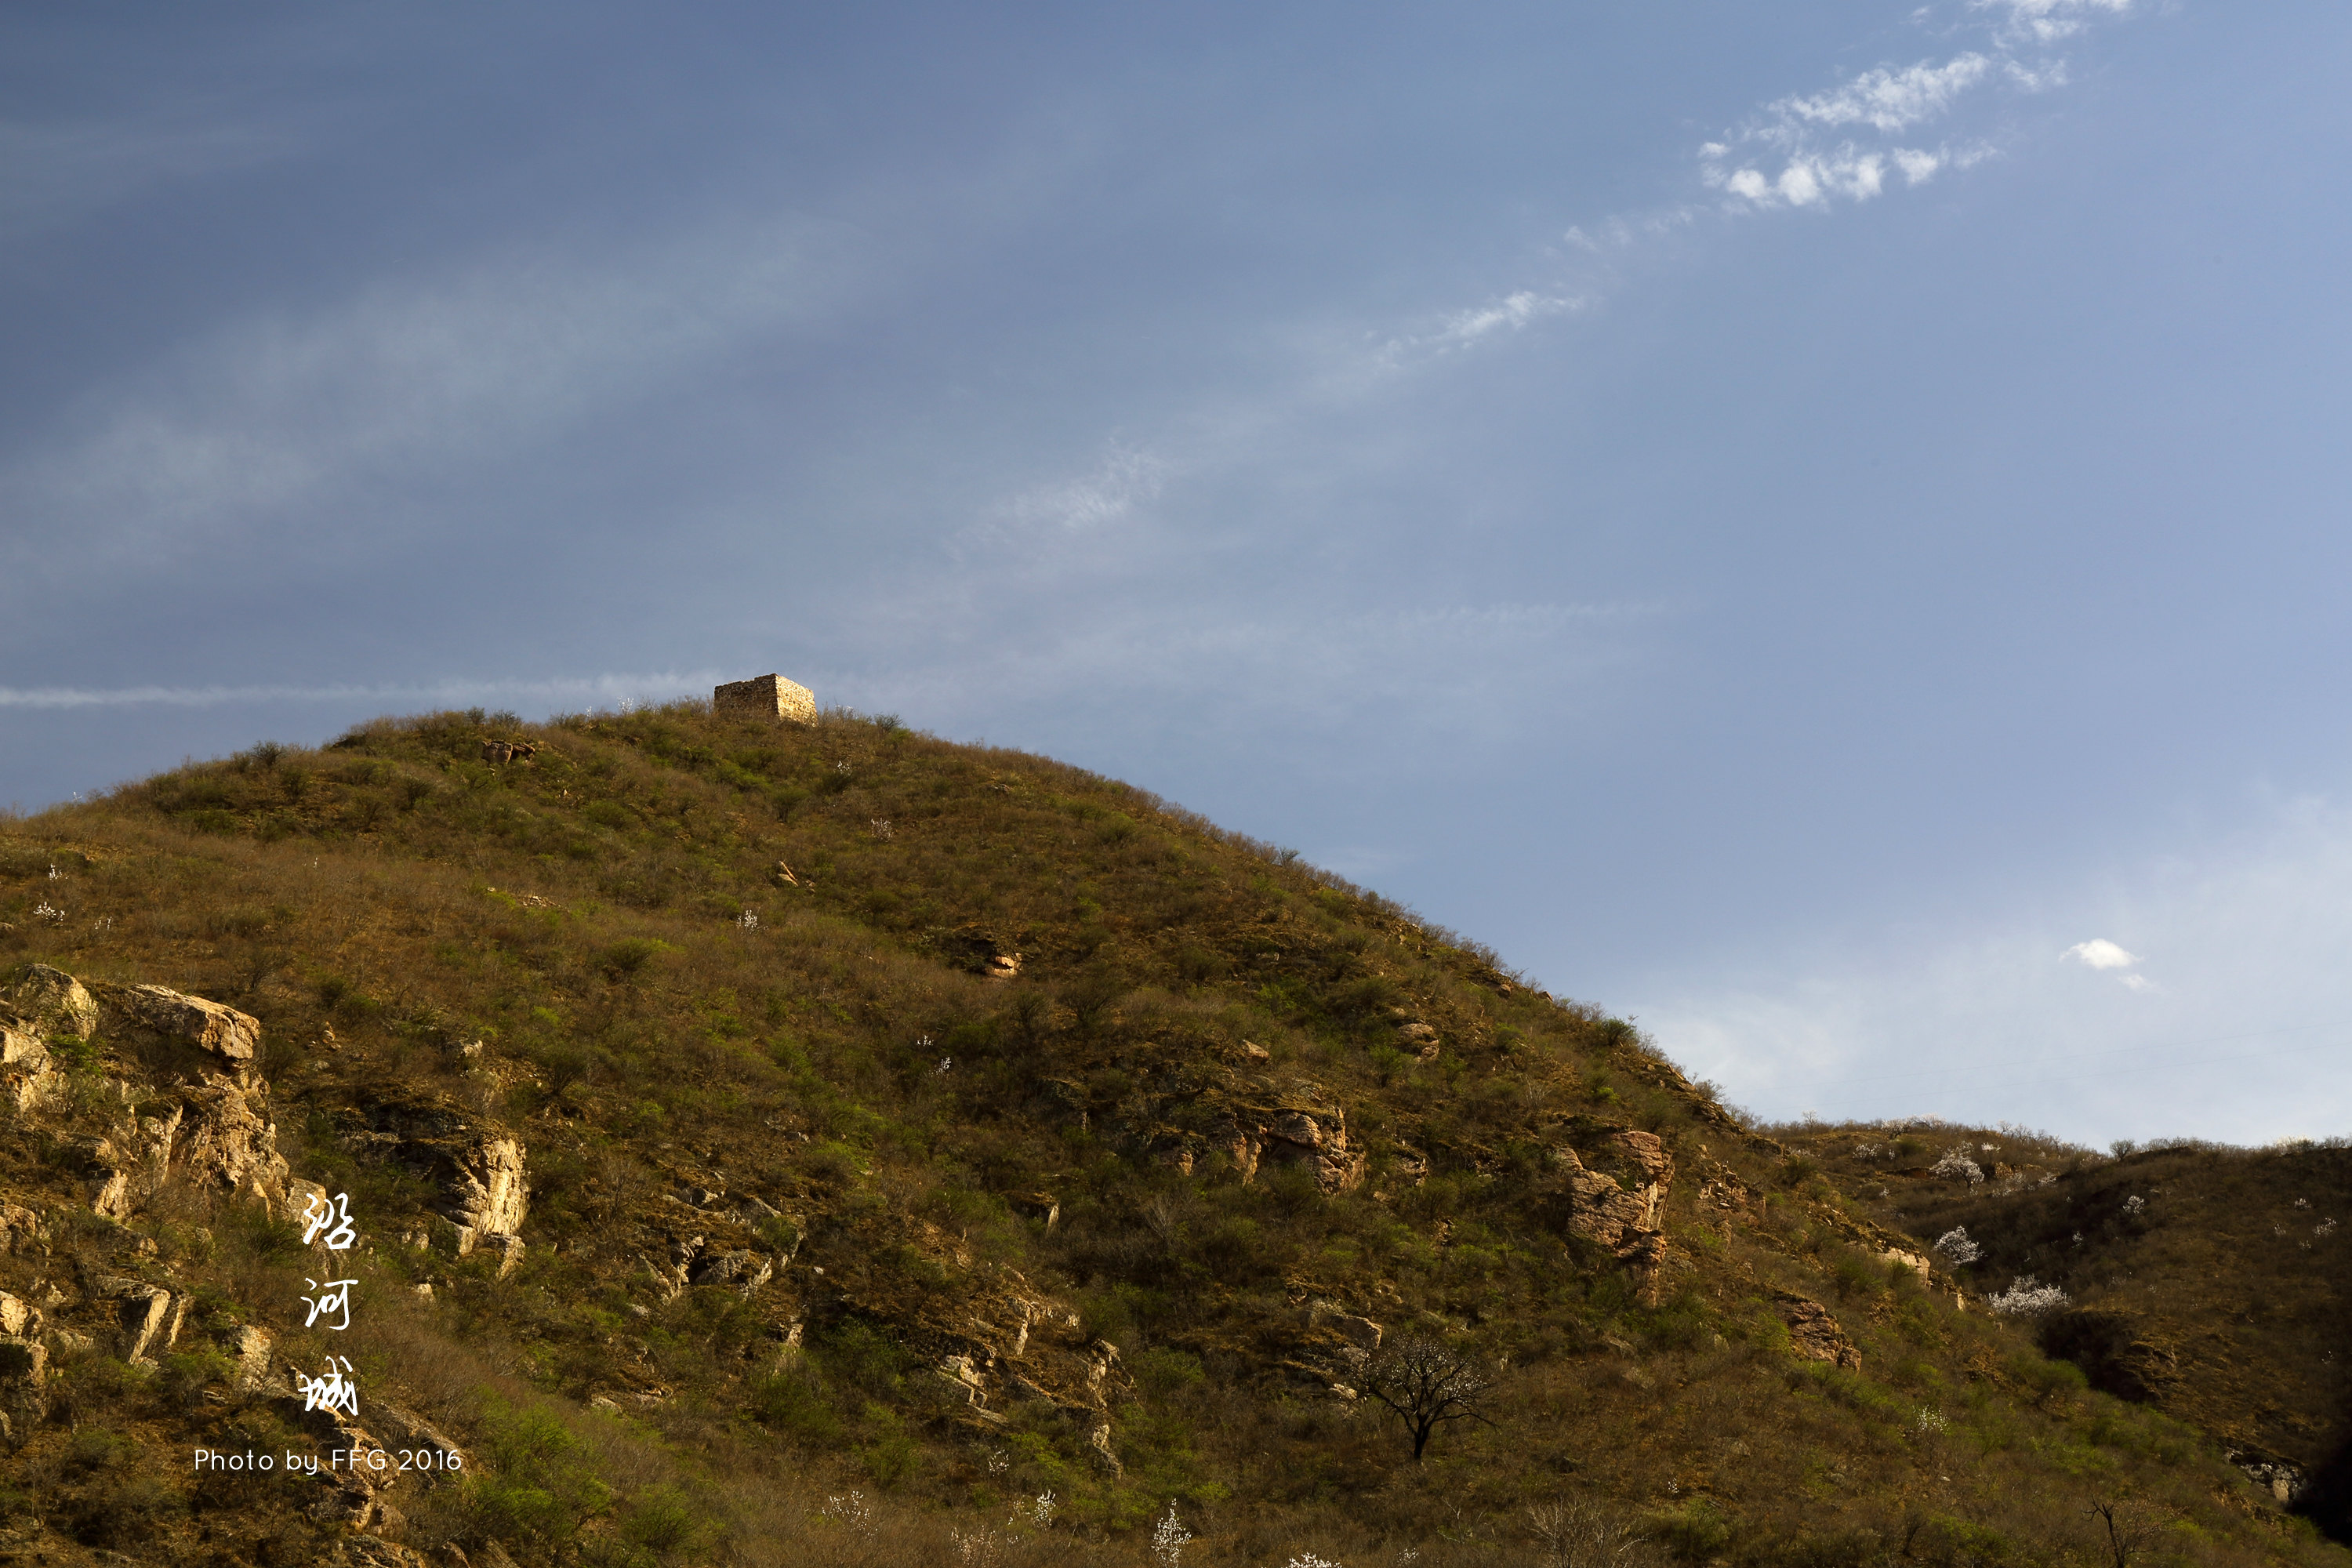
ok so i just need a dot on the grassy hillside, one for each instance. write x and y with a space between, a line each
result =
2214 1284
929 1150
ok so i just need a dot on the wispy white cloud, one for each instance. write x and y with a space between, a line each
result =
57 173
1884 99
2100 954
1510 312
1126 478
268 413
2047 21
1779 158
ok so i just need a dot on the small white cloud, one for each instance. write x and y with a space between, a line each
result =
1749 184
2100 954
1918 167
1799 186
2137 982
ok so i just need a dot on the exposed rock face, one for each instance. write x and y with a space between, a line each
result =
27 1080
1314 1136
1816 1335
18 1226
211 1129
229 1143
1098 1447
1612 1191
1362 1333
479 1171
52 1002
2121 1353
143 1315
222 1032
251 1347
1616 1187
744 1269
24 1396
489 1191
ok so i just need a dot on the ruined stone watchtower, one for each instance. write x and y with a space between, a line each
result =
769 696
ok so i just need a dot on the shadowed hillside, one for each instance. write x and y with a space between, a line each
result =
2214 1284
774 1144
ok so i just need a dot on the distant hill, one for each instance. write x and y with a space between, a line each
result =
2212 1283
782 1144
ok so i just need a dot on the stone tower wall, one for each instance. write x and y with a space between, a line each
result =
769 696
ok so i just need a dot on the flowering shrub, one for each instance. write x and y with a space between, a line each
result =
1308 1559
981 1548
1957 1166
2024 1298
849 1512
1955 1244
2133 1204
1168 1539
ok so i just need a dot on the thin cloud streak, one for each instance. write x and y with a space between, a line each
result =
606 687
273 413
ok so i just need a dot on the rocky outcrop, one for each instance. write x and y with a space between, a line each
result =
744 1269
1813 1334
478 1172
1327 1320
29 1079
206 1127
1299 1133
147 1316
19 1227
1617 1179
24 1387
227 1143
50 1002
2120 1353
221 1033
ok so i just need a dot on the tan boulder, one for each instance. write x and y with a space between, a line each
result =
27 1078
52 1002
1314 1136
208 1026
1814 1334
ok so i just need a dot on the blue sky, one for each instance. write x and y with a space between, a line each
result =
1820 527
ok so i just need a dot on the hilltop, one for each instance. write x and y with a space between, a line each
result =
771 1143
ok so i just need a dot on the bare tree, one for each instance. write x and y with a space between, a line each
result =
1586 1535
2130 1526
1423 1383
